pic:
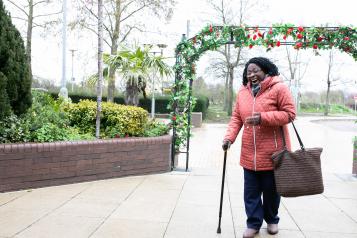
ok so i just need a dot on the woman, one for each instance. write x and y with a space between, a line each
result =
263 105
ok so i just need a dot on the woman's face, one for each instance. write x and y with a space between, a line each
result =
255 74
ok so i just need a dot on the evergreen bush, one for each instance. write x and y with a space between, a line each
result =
15 78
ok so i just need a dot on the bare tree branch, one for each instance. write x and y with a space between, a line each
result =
128 32
46 15
133 12
18 7
19 18
126 6
109 18
96 33
36 3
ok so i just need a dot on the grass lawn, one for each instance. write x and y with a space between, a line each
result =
215 114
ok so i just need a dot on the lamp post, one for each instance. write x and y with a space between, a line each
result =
63 90
161 46
72 78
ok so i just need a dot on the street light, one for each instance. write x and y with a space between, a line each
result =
161 46
63 90
72 78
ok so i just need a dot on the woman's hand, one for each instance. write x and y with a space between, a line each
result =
253 120
226 144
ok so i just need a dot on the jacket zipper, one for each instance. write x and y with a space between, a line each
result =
276 143
255 147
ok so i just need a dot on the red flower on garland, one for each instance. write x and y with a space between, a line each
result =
278 43
248 36
290 30
299 36
284 37
300 29
320 38
210 29
315 46
174 118
260 34
270 31
254 37
346 38
250 46
298 45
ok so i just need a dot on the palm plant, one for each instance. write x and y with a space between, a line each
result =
135 67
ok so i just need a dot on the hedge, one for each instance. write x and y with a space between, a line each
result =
161 102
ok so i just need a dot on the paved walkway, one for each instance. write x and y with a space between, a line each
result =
185 204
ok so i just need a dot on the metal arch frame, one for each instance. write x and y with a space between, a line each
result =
178 78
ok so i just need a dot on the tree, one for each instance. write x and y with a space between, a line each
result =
100 67
297 69
135 67
230 58
14 68
328 81
4 99
119 23
27 9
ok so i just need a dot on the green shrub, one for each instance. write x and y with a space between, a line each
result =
156 128
161 102
13 129
116 120
44 122
82 115
45 111
202 104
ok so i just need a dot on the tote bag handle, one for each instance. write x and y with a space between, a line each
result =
297 134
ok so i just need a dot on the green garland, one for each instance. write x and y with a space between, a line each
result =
211 37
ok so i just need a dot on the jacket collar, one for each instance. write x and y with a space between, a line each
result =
266 83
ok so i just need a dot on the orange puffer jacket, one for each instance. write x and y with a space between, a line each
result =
276 106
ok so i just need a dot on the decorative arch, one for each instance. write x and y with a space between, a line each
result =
188 51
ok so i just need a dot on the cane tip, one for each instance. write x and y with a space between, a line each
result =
218 230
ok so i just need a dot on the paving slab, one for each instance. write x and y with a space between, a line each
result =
126 228
58 226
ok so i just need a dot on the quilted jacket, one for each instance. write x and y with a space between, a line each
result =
276 106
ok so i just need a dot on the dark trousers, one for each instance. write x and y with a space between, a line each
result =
256 184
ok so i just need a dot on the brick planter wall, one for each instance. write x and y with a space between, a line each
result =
354 165
32 165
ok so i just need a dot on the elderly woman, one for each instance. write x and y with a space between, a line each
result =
264 104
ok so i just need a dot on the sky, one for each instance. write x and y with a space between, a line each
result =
47 50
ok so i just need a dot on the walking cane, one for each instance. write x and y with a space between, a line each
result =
222 189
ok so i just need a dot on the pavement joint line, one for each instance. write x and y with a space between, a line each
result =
341 210
14 199
231 208
51 211
354 199
111 213
292 218
168 223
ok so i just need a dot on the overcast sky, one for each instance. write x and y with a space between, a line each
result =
47 51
